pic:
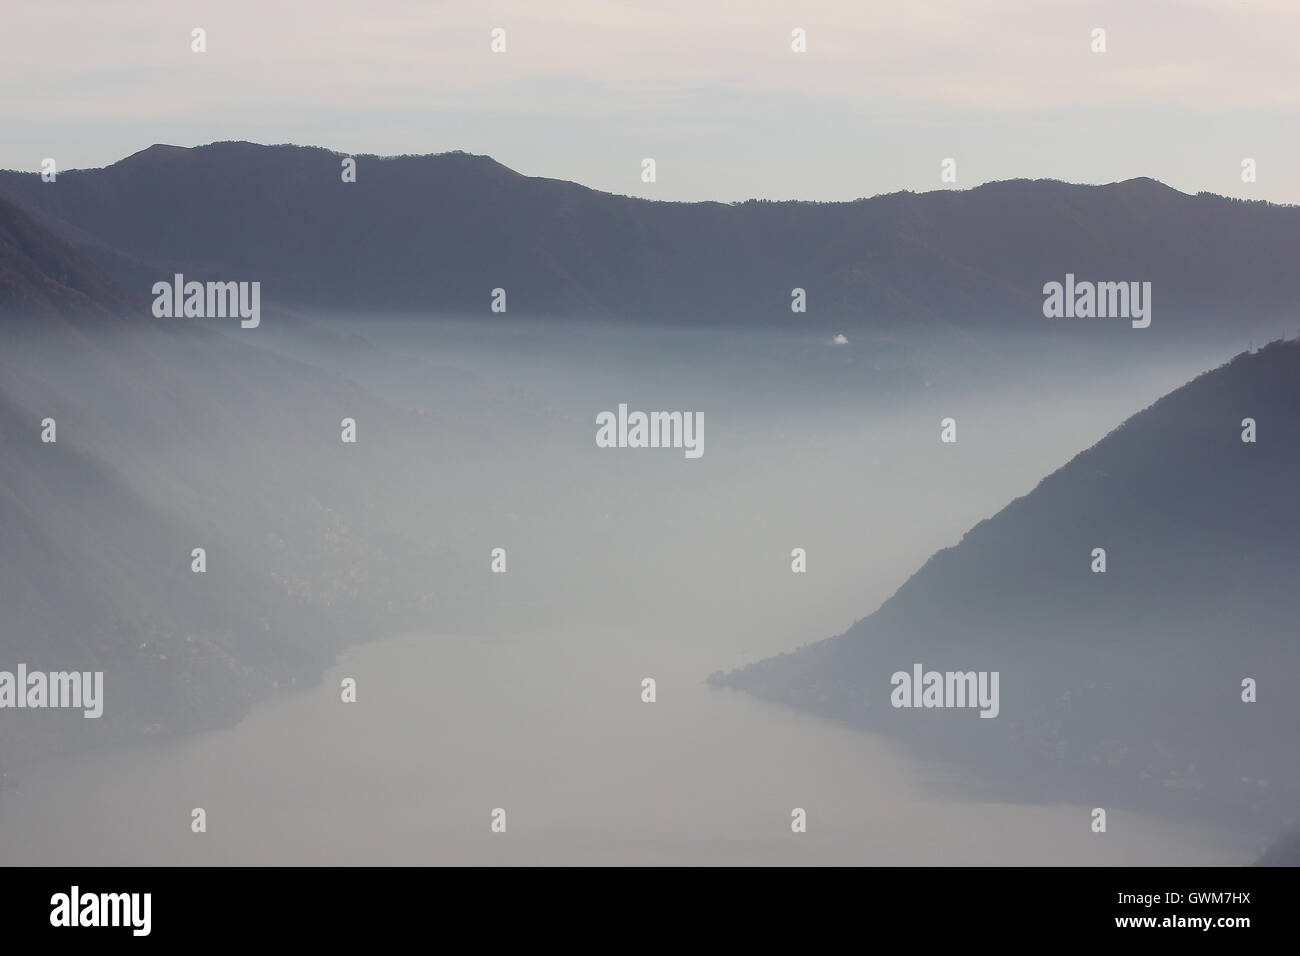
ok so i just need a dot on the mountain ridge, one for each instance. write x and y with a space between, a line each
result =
164 151
437 233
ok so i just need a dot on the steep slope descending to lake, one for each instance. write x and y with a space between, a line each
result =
170 436
1122 687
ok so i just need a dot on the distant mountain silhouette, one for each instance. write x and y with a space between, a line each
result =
1123 687
425 234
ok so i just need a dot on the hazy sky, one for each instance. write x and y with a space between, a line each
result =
711 90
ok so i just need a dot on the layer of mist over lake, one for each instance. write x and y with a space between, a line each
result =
549 727
626 564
